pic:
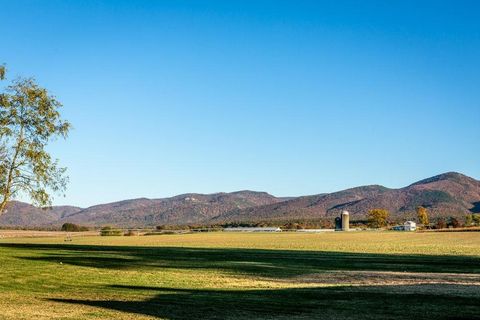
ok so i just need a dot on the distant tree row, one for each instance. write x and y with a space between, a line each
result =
286 225
376 218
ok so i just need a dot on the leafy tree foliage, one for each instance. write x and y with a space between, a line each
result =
422 215
377 218
292 226
472 219
454 223
110 231
441 224
476 219
71 227
468 220
29 120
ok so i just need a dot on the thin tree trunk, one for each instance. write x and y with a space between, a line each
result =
7 191
3 205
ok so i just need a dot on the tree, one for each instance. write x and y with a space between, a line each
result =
441 224
454 222
422 215
476 219
72 227
293 226
377 218
29 120
468 220
2 72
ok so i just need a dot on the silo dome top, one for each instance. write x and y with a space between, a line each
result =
345 212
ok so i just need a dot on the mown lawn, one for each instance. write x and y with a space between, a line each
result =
356 275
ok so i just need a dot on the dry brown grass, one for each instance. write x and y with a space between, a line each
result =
43 234
242 276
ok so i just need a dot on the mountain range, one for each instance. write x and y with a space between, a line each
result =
444 195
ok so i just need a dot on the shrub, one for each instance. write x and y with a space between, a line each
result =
326 224
293 226
169 232
109 231
156 233
71 227
131 233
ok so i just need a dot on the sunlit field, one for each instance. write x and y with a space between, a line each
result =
355 275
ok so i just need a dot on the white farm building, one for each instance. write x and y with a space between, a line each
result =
410 226
407 226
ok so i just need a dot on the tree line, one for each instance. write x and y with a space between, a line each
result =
378 218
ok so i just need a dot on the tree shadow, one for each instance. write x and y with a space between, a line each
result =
443 296
256 262
367 302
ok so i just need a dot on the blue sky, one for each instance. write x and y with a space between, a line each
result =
289 97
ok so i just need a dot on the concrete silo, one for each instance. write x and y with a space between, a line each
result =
345 221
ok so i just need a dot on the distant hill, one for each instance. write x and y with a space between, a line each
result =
23 214
183 209
449 194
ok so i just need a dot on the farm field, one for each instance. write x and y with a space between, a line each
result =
355 275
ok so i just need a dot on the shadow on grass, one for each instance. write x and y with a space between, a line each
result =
257 262
369 302
437 300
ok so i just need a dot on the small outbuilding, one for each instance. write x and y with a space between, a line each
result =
409 226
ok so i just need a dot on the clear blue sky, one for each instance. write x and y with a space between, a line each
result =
289 97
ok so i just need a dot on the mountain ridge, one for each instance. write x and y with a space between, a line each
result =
446 194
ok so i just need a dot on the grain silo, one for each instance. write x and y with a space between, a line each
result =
345 221
338 224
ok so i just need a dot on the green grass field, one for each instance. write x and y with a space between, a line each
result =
356 275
